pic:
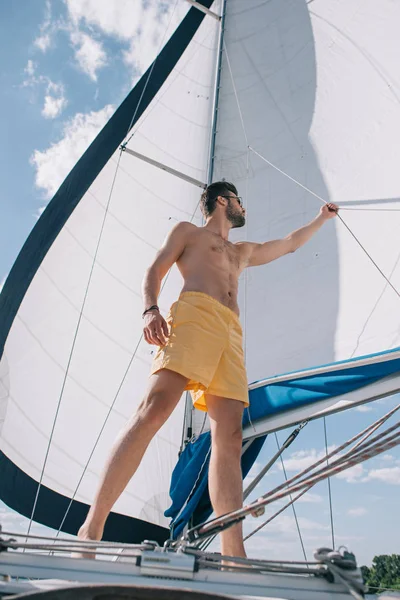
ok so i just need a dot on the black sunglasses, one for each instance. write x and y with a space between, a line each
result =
238 198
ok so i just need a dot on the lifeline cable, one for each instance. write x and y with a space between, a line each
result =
365 451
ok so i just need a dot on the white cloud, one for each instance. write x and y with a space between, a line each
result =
363 408
89 53
30 75
387 457
387 475
358 511
55 100
53 107
53 165
353 474
142 25
310 498
304 458
286 524
43 42
47 29
30 68
254 471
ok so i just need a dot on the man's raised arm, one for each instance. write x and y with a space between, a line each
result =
261 254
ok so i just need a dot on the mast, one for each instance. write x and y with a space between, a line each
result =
188 418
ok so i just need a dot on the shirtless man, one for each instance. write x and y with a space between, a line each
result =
200 349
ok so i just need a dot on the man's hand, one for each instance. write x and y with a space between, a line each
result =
155 329
329 211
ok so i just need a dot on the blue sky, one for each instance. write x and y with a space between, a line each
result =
66 65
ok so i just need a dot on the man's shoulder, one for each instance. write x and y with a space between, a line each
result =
187 225
185 228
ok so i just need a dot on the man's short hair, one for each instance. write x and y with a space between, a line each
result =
209 197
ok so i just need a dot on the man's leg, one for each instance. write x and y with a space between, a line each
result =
225 473
165 389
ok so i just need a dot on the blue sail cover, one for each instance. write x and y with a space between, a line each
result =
290 394
189 490
189 482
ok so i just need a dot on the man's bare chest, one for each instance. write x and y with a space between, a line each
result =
221 251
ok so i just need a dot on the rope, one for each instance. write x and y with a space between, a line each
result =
365 451
337 467
371 209
339 217
363 435
234 517
281 510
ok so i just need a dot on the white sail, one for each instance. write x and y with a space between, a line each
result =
322 80
327 115
303 85
75 366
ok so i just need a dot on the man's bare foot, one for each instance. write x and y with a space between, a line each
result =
88 533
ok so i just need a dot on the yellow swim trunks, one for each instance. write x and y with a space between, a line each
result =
205 345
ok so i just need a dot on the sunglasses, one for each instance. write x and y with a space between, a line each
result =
238 198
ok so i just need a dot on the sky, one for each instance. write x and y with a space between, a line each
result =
66 65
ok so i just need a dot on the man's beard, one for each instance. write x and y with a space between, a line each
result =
236 219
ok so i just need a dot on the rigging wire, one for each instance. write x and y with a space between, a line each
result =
338 216
329 485
236 96
289 440
112 404
94 261
298 183
346 226
290 496
131 360
367 450
141 337
71 352
81 314
358 242
247 203
361 437
149 76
